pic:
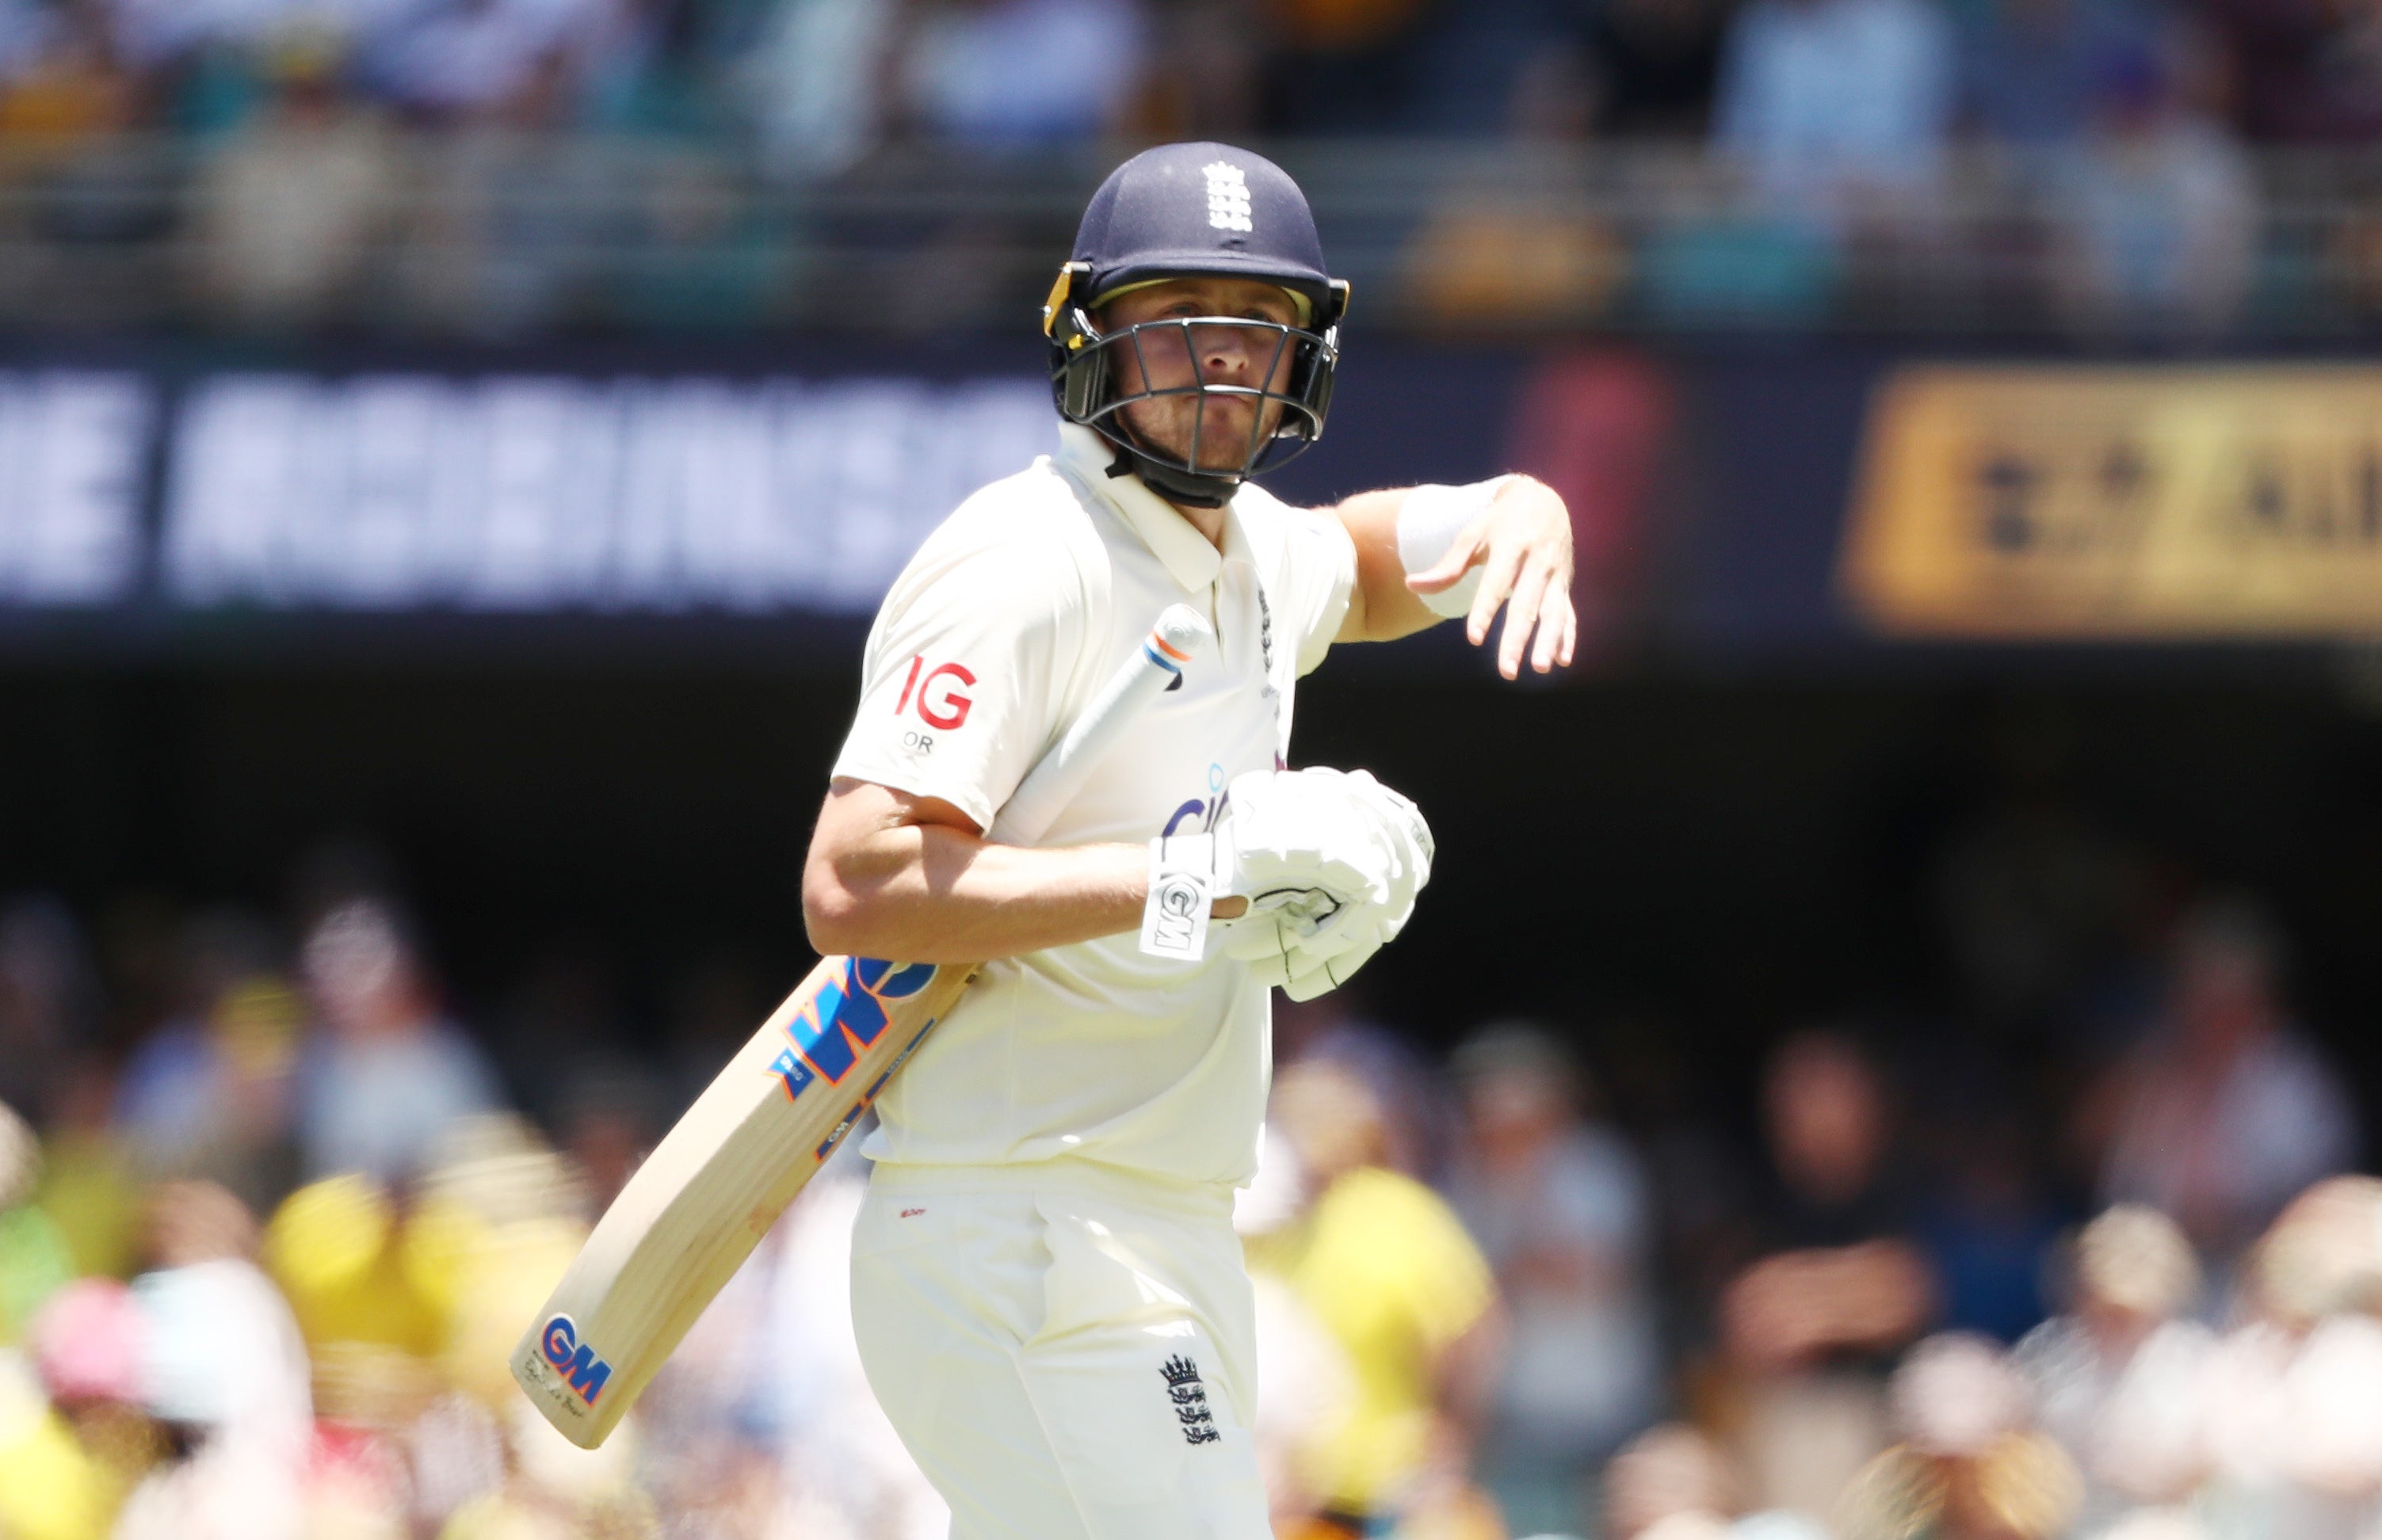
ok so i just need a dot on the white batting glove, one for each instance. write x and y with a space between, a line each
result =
1297 846
1402 851
1293 940
1408 837
1305 965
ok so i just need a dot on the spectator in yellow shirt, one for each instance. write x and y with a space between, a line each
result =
1387 1270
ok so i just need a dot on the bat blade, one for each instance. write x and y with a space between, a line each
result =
724 1173
712 1188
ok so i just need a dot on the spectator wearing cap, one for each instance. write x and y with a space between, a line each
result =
1558 1205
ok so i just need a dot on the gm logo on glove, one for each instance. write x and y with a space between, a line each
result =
1182 880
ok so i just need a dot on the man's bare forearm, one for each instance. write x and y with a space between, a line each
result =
929 893
1381 607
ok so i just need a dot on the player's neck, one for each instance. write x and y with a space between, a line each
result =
1210 522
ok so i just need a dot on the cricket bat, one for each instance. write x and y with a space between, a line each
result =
718 1180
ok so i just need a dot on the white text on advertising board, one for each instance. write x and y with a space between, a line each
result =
520 493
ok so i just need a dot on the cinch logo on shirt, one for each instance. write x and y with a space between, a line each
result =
1201 812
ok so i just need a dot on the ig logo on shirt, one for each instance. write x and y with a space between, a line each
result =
938 701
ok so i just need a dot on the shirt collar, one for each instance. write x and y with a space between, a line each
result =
1194 563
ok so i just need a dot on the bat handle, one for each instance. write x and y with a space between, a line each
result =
1180 634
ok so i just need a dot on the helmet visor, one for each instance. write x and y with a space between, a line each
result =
1214 396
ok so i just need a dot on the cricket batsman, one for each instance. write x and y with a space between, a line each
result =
1048 1292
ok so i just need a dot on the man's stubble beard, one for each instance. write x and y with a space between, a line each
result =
1225 443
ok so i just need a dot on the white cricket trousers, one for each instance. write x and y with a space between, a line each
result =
1067 1349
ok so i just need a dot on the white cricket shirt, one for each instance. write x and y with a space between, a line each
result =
1004 624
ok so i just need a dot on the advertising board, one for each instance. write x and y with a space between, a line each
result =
2140 504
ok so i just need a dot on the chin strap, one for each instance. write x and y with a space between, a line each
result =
1185 487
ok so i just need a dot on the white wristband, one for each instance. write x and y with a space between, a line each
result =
1428 521
1182 889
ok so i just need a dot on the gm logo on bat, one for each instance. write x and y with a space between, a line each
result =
573 1360
838 1023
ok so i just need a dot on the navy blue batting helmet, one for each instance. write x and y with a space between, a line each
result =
1197 211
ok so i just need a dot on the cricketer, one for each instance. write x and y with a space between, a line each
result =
1048 1292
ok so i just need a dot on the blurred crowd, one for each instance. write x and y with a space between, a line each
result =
1823 127
2080 1259
1880 81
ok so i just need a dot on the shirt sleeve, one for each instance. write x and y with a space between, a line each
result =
966 671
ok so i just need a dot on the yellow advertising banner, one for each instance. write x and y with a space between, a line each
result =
2155 504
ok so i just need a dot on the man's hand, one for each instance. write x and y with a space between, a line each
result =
1298 938
1324 864
1523 548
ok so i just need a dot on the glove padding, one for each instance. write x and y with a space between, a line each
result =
1331 863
